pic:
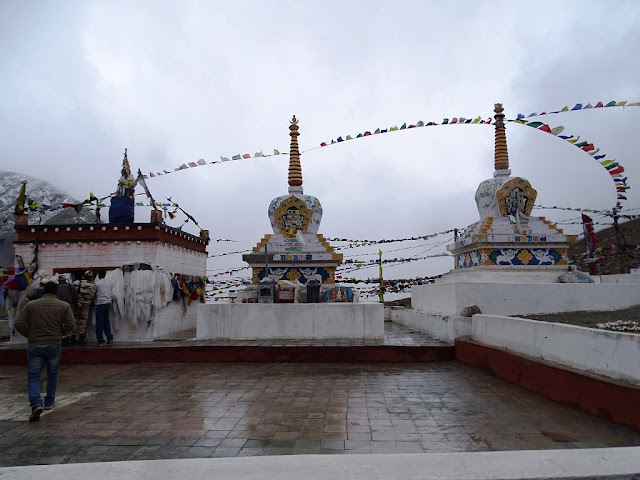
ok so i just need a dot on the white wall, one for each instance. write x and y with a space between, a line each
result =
276 321
443 327
176 259
520 299
89 254
612 354
171 258
174 319
633 278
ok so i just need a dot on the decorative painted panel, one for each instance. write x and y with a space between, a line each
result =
301 274
468 259
516 197
512 257
290 213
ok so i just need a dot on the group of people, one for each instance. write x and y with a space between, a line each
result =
49 323
81 296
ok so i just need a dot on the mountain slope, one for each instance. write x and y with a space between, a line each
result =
40 191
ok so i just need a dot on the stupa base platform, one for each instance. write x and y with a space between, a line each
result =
400 344
290 321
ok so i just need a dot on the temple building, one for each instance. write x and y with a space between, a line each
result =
295 251
78 247
156 271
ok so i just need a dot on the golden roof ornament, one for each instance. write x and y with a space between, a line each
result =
295 168
501 154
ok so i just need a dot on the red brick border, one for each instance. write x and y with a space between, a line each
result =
609 401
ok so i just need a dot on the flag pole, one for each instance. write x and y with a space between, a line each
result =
381 294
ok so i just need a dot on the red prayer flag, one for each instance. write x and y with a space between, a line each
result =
545 128
193 164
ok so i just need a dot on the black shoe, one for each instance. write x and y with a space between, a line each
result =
49 407
82 340
35 414
109 342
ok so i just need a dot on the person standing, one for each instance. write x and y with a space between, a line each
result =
103 306
44 322
68 294
86 294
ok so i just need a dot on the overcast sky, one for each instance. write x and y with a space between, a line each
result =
182 80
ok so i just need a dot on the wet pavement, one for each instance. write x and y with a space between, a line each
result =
165 411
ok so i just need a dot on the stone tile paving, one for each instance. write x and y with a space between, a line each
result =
157 411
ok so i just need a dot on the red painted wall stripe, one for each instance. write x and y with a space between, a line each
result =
614 402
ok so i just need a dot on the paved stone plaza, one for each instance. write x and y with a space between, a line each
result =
155 411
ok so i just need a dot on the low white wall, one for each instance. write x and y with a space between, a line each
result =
520 299
275 321
628 279
443 327
173 319
612 354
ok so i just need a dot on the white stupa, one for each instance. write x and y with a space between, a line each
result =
295 251
507 238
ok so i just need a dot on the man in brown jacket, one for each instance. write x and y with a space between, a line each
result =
44 322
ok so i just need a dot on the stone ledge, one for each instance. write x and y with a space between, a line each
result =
609 463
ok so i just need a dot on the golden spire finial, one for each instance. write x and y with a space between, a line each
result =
295 168
501 154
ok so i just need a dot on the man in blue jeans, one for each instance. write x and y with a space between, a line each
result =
44 322
103 306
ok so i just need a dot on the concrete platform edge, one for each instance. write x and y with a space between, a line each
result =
609 463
